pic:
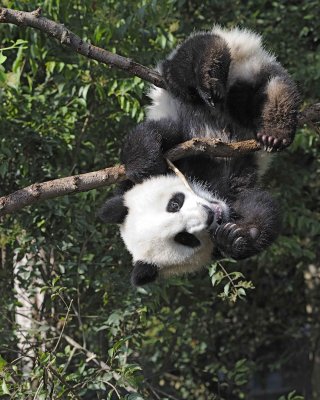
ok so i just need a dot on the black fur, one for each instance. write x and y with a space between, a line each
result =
143 273
143 148
187 239
200 69
253 226
175 203
113 211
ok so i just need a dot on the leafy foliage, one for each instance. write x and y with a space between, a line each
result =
86 334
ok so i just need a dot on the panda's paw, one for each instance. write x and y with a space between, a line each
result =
272 141
212 71
236 241
212 91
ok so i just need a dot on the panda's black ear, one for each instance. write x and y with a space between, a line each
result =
113 211
143 273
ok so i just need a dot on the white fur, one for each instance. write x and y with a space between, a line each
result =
149 230
247 53
164 105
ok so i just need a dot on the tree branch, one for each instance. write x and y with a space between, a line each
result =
75 43
84 182
60 187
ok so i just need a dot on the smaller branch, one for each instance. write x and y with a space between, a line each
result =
94 358
69 388
64 325
212 147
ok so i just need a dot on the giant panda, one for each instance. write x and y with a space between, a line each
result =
220 84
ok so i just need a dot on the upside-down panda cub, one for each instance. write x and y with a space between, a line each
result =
220 84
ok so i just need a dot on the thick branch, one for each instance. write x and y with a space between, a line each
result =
60 187
75 43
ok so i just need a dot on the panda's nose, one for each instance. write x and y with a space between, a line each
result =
210 214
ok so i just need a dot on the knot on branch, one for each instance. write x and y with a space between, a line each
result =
3 14
37 13
65 37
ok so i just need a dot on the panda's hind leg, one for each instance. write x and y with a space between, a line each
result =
197 71
278 119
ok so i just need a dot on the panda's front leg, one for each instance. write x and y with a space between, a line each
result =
279 113
143 148
254 228
197 71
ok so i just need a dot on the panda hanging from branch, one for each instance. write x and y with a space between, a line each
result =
223 85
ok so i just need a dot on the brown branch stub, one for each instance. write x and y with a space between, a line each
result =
74 42
37 13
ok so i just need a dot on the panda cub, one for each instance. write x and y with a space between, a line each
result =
223 85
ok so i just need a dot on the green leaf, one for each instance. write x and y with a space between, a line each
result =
226 289
20 41
241 292
4 387
3 363
2 58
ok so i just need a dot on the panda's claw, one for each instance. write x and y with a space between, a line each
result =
236 241
271 143
234 233
212 95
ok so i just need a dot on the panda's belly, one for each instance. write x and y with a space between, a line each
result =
217 124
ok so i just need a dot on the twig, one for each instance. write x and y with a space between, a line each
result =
64 325
38 389
69 388
179 174
93 357
228 276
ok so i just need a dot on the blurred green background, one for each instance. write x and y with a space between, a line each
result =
64 277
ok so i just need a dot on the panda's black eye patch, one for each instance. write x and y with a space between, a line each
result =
175 203
187 239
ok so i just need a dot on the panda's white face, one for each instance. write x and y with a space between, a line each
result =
168 224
